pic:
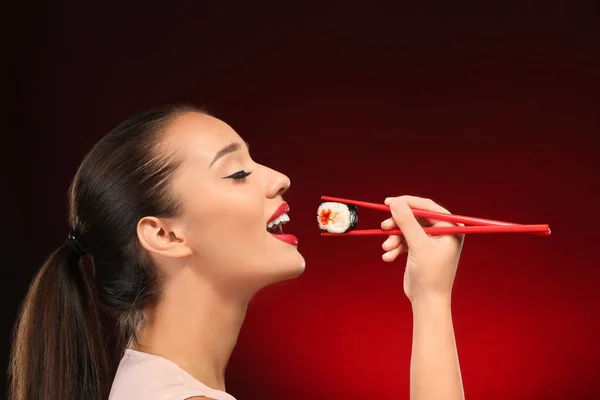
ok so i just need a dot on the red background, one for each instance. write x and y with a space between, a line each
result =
490 112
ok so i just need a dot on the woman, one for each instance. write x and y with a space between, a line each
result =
169 242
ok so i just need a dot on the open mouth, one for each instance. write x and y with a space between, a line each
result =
276 222
276 226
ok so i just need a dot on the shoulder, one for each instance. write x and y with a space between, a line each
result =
145 376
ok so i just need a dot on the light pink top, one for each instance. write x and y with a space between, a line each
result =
145 376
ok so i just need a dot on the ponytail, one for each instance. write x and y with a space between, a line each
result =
59 350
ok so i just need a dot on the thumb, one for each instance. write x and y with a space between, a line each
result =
407 222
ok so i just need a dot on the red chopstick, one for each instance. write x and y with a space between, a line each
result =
423 213
478 225
542 230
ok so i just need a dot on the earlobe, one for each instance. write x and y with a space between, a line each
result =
157 236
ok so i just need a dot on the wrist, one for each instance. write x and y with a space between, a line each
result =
431 302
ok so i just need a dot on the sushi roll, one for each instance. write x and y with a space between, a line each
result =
337 217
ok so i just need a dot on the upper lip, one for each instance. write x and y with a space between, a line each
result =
283 208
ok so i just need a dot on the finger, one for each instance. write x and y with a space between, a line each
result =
422 203
425 222
392 254
413 232
389 224
428 205
392 242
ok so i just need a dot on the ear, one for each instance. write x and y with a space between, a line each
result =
158 236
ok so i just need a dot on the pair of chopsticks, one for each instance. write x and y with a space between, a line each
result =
477 225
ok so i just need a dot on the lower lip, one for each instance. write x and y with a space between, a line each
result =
284 237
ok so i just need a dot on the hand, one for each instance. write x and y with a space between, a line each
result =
432 260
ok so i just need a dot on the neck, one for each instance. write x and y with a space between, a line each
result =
195 326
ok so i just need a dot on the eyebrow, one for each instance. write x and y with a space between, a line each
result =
230 148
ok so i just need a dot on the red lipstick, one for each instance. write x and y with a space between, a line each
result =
284 237
283 208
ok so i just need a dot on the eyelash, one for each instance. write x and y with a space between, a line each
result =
238 175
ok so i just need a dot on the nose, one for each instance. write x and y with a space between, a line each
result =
278 183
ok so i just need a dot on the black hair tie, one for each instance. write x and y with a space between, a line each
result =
73 240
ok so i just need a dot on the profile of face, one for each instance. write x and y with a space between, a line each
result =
221 230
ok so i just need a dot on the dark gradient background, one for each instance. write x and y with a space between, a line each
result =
492 112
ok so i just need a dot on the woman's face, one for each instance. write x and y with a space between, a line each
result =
224 220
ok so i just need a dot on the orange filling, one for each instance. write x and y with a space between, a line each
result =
326 216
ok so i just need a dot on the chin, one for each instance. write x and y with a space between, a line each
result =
297 270
288 269
299 266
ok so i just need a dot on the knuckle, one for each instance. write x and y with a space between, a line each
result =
401 200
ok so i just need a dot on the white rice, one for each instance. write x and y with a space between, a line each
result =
340 219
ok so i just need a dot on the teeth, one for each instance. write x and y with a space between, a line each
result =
282 219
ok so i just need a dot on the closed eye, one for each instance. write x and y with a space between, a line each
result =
238 175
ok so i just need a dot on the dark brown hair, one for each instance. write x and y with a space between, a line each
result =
81 312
